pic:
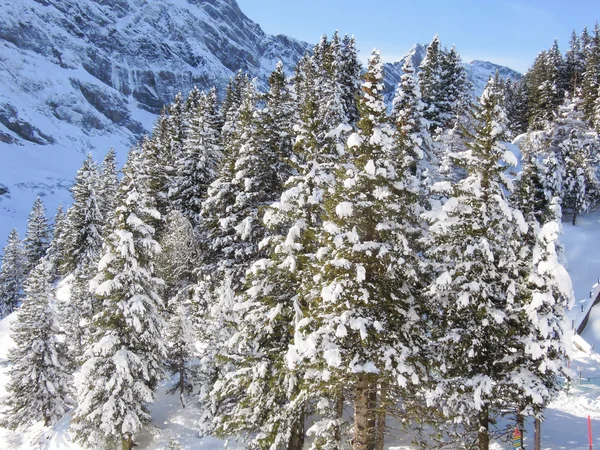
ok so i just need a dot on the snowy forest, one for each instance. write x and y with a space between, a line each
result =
308 263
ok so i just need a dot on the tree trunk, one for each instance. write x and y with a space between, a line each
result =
339 412
297 438
372 421
381 411
181 382
127 443
537 434
361 439
483 436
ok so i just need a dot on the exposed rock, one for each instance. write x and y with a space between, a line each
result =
11 120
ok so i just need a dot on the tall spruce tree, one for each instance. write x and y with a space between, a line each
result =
474 250
363 284
39 381
430 83
124 360
11 274
108 184
37 236
201 153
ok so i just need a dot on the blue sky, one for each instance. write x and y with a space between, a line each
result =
510 32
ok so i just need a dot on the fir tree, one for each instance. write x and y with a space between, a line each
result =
197 167
108 184
83 239
37 236
181 337
11 274
343 341
430 83
124 359
474 249
39 381
57 248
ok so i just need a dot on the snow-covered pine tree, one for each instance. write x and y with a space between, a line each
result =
264 391
37 236
574 63
108 184
82 250
412 132
278 119
39 381
57 248
83 238
575 145
198 163
532 196
12 274
430 83
474 250
356 312
455 90
181 338
247 182
539 355
590 84
124 360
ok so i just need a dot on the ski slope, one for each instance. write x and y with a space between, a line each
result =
565 426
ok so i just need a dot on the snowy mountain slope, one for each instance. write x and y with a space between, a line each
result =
84 75
565 426
478 72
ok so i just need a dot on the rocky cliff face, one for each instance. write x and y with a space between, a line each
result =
80 76
84 75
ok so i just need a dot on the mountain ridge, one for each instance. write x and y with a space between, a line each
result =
79 76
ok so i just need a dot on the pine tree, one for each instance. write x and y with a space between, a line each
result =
430 83
407 113
181 337
197 167
108 184
83 239
474 251
11 275
278 119
591 76
258 392
37 237
455 92
57 248
342 339
124 359
39 382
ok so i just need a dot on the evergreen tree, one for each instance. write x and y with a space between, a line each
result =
197 167
591 76
574 63
108 184
343 338
83 239
430 83
11 275
258 392
278 118
39 381
407 113
455 91
474 248
181 337
57 248
124 359
37 236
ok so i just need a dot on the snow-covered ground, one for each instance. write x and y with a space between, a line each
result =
565 427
